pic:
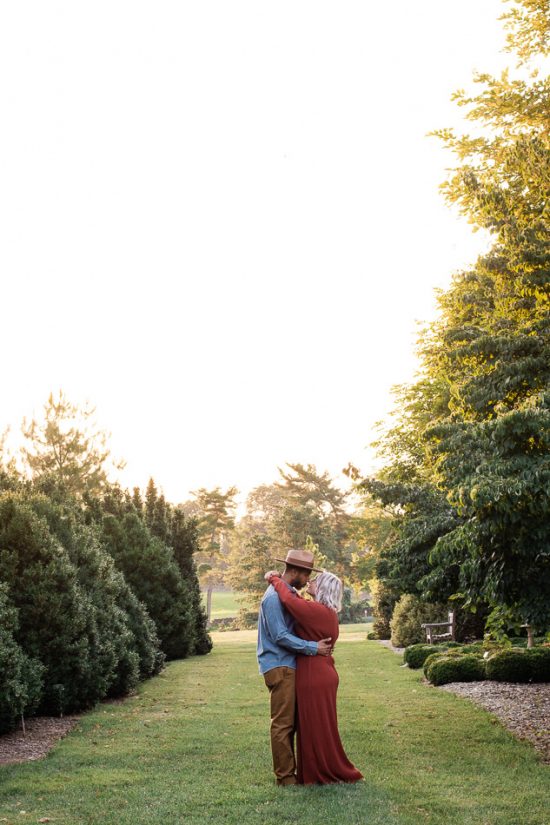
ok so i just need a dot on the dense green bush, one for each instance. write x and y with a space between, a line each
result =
415 655
438 654
473 647
408 615
183 539
145 637
455 668
149 568
541 663
20 677
383 603
56 618
519 665
91 581
114 660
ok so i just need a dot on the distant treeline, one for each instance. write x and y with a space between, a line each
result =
97 590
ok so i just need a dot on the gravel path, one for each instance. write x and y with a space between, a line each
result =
523 709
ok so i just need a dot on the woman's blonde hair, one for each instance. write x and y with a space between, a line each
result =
329 590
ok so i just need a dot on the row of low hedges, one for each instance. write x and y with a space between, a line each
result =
520 665
509 665
441 668
415 655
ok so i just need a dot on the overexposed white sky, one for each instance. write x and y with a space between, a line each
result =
220 221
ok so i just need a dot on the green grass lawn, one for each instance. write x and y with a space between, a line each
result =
224 605
193 747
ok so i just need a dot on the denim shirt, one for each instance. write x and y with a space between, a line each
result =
277 645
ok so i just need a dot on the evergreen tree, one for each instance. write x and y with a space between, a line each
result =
183 540
215 514
149 568
116 658
137 501
304 508
56 620
66 449
21 678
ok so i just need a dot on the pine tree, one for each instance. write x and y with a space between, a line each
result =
21 678
149 568
56 620
65 448
183 540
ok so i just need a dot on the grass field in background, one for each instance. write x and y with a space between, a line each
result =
224 605
193 747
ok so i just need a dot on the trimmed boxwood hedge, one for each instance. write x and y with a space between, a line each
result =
520 665
455 668
449 654
415 655
466 664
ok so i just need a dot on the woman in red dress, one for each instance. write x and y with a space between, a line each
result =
320 755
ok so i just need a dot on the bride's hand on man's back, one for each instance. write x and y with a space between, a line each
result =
270 574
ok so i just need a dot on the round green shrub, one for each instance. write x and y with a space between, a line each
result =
447 668
372 635
408 616
512 665
520 665
474 647
415 655
449 654
540 657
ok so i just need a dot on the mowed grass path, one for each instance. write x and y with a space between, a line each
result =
193 747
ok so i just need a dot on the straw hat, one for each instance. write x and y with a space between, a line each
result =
301 559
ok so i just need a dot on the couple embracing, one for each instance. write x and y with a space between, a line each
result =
296 638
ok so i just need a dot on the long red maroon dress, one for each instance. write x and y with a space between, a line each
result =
320 755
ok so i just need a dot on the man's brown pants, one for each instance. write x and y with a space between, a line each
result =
280 682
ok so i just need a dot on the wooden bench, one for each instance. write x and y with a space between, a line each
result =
448 634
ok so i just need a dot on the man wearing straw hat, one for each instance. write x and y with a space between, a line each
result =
277 649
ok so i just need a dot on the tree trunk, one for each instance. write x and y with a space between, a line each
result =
208 604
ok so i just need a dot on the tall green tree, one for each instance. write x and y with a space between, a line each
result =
473 438
150 569
66 448
56 621
184 541
21 678
215 514
304 508
492 342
